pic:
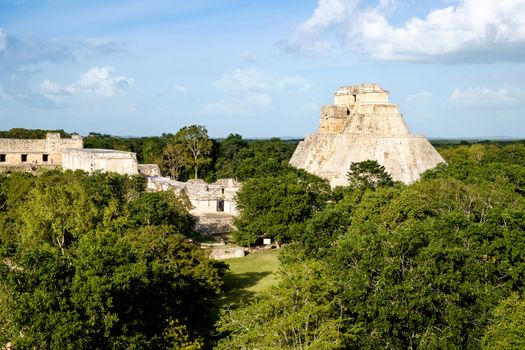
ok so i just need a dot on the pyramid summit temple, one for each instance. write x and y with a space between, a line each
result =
362 125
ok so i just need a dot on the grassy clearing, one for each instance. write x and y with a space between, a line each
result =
250 275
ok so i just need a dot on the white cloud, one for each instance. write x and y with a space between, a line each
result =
101 81
47 87
180 89
19 57
258 86
309 37
249 88
468 31
483 96
98 80
242 81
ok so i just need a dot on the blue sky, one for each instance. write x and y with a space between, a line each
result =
259 68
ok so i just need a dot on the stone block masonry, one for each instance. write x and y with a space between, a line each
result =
15 152
54 151
362 125
91 160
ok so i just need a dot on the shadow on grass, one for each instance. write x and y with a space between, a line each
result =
236 286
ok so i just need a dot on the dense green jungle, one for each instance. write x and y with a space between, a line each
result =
97 262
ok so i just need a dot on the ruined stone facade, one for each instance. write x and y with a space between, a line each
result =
214 205
69 153
105 160
149 170
363 125
14 152
215 198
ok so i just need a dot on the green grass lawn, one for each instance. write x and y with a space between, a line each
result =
250 275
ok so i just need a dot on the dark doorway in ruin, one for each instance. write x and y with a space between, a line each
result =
24 158
220 205
45 157
2 157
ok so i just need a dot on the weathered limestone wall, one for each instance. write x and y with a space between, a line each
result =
333 118
149 169
372 129
27 155
373 97
348 95
218 197
36 152
330 156
376 124
91 160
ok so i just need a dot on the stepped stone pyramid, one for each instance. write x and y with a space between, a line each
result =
363 125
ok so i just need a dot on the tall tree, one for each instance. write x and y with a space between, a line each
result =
174 160
196 142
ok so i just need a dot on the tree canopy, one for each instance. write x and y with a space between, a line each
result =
98 262
368 173
278 207
437 264
95 262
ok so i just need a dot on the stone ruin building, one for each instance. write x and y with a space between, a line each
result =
27 153
91 160
68 153
362 125
217 197
213 204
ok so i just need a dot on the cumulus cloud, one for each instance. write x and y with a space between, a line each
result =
469 31
314 36
20 58
483 96
100 81
248 88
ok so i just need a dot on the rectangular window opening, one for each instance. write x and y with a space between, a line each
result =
2 157
45 157
24 158
220 205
